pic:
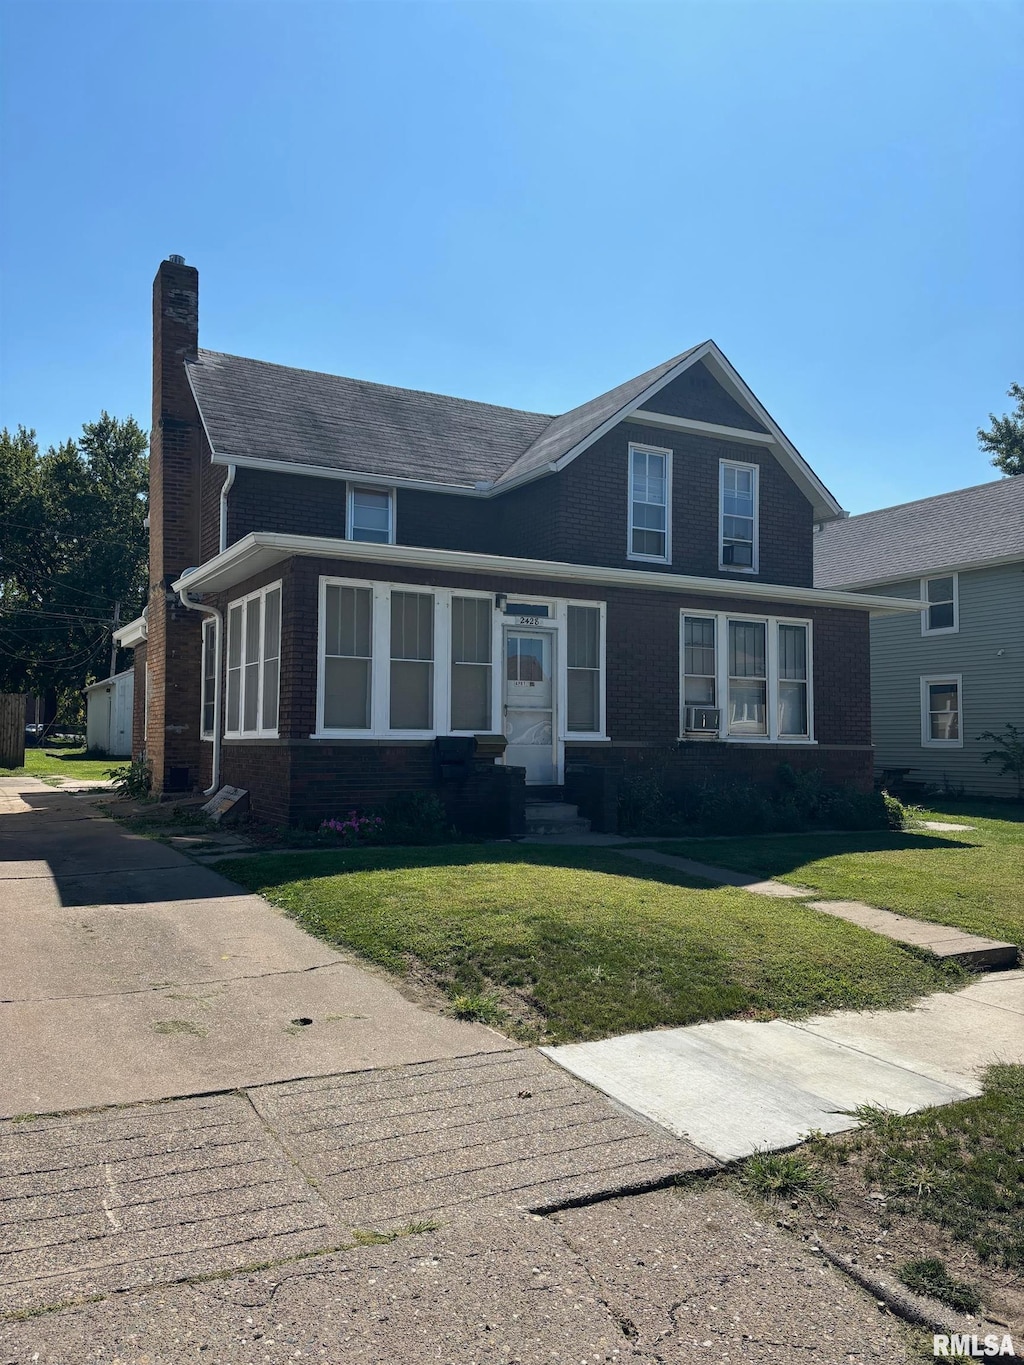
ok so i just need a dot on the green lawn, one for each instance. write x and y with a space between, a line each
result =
959 1165
50 762
973 879
566 944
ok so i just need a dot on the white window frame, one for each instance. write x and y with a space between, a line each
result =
753 567
940 679
771 624
380 660
637 447
209 629
260 732
954 629
385 489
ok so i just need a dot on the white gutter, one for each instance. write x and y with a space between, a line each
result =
225 489
261 550
134 632
186 601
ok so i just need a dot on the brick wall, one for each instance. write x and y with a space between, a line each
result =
139 701
299 779
697 394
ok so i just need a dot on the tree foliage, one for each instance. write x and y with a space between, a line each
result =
1004 440
72 544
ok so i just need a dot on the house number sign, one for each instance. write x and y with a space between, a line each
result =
529 620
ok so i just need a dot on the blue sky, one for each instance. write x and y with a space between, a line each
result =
527 203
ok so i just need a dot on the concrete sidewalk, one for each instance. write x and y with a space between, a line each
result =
734 1087
129 973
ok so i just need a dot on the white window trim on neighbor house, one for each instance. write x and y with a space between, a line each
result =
638 448
721 703
380 661
261 731
926 627
385 490
210 685
941 679
755 470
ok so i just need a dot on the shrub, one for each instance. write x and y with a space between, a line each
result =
796 802
416 818
133 780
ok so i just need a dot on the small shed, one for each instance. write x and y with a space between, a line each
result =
108 713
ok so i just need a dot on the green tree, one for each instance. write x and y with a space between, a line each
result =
1004 440
72 545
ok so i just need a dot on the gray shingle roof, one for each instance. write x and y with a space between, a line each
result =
261 411
562 433
256 410
969 526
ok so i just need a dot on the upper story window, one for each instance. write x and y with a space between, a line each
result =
371 515
650 498
254 664
941 615
737 519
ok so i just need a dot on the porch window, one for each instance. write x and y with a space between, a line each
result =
209 697
748 678
738 516
472 664
941 721
650 471
348 667
371 515
793 711
412 661
583 668
699 661
941 615
254 664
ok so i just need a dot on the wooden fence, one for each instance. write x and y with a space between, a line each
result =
12 730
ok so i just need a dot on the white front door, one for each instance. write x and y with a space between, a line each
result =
530 721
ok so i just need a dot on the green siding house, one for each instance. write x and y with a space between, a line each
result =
940 680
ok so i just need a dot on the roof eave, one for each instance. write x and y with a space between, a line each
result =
908 575
259 551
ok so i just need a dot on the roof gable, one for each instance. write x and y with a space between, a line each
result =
258 413
970 527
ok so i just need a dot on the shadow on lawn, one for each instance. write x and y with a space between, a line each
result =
772 856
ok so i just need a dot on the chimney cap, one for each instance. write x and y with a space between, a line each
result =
176 260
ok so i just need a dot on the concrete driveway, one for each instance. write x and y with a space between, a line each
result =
129 973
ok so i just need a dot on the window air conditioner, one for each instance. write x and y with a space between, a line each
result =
702 720
742 554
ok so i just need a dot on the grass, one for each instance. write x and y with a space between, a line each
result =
568 944
930 1276
959 1166
50 762
786 1175
970 879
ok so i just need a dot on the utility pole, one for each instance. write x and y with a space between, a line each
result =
113 642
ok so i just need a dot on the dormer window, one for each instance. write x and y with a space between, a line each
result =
371 515
650 497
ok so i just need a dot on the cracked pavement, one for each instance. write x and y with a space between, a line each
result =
188 1174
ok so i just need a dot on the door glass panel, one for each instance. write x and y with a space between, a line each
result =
529 697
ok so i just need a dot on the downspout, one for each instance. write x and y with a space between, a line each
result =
225 489
186 601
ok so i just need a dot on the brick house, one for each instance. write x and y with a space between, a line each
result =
358 589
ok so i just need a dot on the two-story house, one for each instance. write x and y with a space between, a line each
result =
358 589
942 678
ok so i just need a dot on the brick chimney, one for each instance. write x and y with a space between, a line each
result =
174 641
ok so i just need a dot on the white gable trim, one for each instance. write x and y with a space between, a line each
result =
712 429
825 505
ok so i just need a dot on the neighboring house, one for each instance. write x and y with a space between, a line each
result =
109 707
942 678
358 589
